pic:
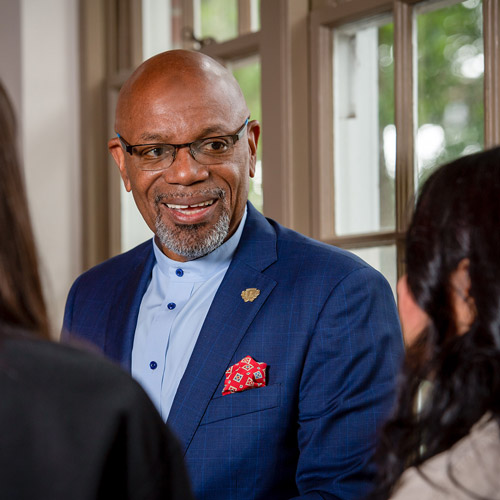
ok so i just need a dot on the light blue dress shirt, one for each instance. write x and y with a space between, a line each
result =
171 315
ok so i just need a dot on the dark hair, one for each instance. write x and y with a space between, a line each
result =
21 299
457 217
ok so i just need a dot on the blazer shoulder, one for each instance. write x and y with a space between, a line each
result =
316 255
120 265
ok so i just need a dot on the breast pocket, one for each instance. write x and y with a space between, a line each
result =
242 403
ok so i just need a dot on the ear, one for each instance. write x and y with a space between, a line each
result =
463 303
413 319
253 132
116 150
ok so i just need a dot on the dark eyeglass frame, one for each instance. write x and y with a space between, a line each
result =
129 148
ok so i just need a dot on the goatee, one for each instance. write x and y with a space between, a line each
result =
193 241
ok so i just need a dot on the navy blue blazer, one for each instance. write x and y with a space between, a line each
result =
326 325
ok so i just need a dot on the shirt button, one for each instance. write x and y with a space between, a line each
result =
153 365
171 305
179 272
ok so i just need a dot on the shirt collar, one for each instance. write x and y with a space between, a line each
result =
205 267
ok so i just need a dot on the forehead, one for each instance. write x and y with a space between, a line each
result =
179 111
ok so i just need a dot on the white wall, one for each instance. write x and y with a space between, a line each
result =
40 69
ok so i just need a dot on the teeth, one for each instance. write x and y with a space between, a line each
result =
203 204
170 205
184 207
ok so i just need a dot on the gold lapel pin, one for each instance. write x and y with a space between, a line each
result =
250 294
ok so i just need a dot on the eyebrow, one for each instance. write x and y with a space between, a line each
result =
206 132
150 138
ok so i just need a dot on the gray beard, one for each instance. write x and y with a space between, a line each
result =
188 240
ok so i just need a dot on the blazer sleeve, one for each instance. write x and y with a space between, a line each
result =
68 334
68 313
347 387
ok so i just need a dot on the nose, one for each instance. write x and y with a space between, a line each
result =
185 170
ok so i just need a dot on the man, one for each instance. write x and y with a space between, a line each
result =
219 287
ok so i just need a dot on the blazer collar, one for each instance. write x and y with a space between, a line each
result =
226 323
257 247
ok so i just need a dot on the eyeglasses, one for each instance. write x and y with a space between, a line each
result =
208 151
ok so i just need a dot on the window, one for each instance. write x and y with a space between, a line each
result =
398 87
450 97
248 73
363 127
229 32
222 20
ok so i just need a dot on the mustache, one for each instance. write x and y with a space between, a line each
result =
209 193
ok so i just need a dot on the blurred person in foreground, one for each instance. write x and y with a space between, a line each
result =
448 446
73 425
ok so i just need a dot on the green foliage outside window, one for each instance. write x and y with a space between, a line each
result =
449 84
247 73
386 118
450 79
219 19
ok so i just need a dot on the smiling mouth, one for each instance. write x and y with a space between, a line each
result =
192 210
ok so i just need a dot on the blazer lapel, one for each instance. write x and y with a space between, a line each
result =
125 308
225 325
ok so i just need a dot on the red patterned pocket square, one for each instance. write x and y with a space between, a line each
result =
247 374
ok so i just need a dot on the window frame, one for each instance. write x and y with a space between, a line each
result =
111 47
322 21
281 44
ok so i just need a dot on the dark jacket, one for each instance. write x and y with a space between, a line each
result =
74 426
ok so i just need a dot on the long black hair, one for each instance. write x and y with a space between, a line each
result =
21 299
457 217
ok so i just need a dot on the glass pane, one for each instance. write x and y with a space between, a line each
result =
157 27
160 32
255 15
218 19
364 132
450 67
247 72
383 259
133 228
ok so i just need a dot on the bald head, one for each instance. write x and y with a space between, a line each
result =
184 78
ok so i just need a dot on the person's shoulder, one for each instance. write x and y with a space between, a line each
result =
33 350
313 253
469 465
69 370
131 258
119 266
